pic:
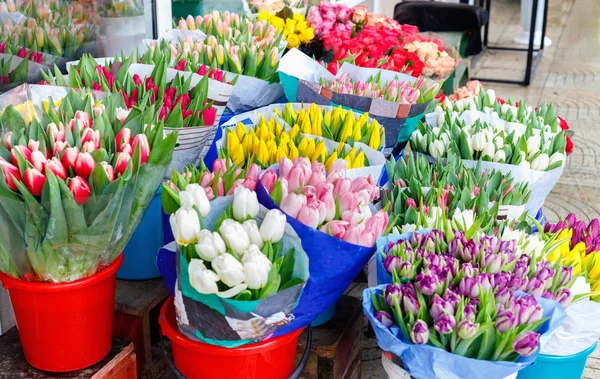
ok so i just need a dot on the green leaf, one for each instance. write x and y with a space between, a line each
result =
272 286
287 267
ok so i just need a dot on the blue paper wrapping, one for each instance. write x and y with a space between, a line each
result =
383 277
166 260
333 265
428 362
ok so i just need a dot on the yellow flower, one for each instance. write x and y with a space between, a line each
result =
293 41
277 22
237 156
332 158
307 35
241 131
359 161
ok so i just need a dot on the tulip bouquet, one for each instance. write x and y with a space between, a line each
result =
22 52
10 74
327 200
295 29
326 18
230 26
275 6
235 255
75 185
120 8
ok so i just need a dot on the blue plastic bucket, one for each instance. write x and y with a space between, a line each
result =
324 317
557 367
139 256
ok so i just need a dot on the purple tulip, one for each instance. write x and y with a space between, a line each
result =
410 304
485 281
528 310
578 232
457 245
593 228
571 219
419 333
470 251
468 287
501 281
393 291
409 290
526 343
566 274
548 228
445 324
517 283
535 287
469 312
427 283
502 296
385 318
391 262
468 269
521 268
492 262
505 321
589 242
406 270
596 245
439 307
466 329
559 226
507 247
545 274
451 297
549 295
564 297
432 259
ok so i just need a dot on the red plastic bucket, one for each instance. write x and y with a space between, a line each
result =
65 326
271 359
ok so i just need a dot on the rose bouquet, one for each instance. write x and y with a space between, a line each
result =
75 185
238 263
326 18
295 29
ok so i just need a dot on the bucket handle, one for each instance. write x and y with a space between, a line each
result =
295 374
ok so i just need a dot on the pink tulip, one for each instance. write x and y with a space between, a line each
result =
348 202
337 170
322 210
84 165
84 118
285 165
80 188
363 197
342 186
317 179
363 183
367 238
268 180
109 170
336 229
33 145
253 172
292 203
250 184
99 109
410 203
88 147
25 153
356 216
236 184
59 146
310 192
353 234
121 164
378 223
329 201
299 176
141 140
220 188
123 137
90 135
34 181
309 215
69 157
9 171
206 178
8 140
37 159
126 148
56 167
219 165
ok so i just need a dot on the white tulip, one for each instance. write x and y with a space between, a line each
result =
251 228
448 103
500 156
504 108
416 138
556 157
202 279
472 105
492 95
273 226
256 267
437 149
546 145
234 235
245 204
540 163
435 212
445 139
232 291
210 245
229 269
194 195
533 145
533 245
463 220
487 110
408 228
499 142
185 226
478 141
441 118
488 150
436 131
525 164
438 109
516 137
121 114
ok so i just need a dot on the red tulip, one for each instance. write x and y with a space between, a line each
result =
34 181
121 164
8 140
185 114
59 146
209 115
202 70
69 157
163 113
137 80
170 92
37 159
56 167
88 147
90 135
133 98
123 138
84 118
25 153
109 170
180 65
141 140
184 99
127 149
80 188
22 53
33 145
8 170
84 165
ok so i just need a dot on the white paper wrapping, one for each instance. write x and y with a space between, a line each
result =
376 158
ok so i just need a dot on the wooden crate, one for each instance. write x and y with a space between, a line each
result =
120 363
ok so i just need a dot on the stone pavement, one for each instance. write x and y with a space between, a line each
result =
568 75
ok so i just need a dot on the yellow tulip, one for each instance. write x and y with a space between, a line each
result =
310 149
280 154
262 154
594 273
327 119
347 129
319 154
293 153
553 256
303 145
375 140
237 156
232 141
241 130
294 132
359 161
565 236
341 149
357 133
306 126
332 158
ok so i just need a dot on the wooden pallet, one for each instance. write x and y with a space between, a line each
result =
120 363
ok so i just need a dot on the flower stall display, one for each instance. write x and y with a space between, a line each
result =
70 200
254 8
396 100
183 107
241 268
319 133
121 25
238 46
